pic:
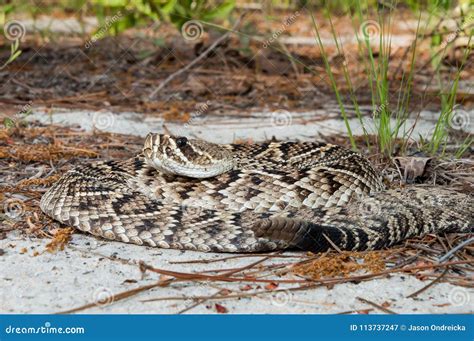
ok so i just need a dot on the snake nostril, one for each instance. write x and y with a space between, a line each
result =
147 152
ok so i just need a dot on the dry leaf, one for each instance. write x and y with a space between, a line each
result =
246 287
271 286
364 312
60 240
221 309
412 167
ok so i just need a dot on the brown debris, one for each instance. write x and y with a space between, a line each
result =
25 152
221 309
258 278
60 240
32 158
38 182
271 286
341 264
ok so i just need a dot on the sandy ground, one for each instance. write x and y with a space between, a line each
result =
256 126
35 281
89 270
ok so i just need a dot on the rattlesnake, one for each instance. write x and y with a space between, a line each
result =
191 194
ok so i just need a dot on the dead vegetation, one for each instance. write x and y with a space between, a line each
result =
33 158
122 72
341 264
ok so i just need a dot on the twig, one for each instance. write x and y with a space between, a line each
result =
228 273
218 278
450 253
201 301
354 311
114 298
214 297
238 295
207 261
436 280
373 304
180 276
251 265
440 241
222 278
332 244
196 60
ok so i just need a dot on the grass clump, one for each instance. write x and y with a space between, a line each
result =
391 109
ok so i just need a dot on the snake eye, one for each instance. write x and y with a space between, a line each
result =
181 141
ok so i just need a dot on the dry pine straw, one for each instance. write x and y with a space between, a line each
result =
62 148
341 264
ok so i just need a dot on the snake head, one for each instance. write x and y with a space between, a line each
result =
179 155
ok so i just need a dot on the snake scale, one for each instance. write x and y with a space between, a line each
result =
191 194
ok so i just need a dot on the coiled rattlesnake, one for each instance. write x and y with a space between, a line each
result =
191 194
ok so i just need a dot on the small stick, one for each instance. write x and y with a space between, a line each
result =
207 261
227 273
450 253
115 298
221 278
373 304
251 265
436 280
180 276
354 311
197 60
332 244
199 302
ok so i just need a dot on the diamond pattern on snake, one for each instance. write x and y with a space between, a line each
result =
191 194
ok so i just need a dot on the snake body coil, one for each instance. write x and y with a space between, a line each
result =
195 195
